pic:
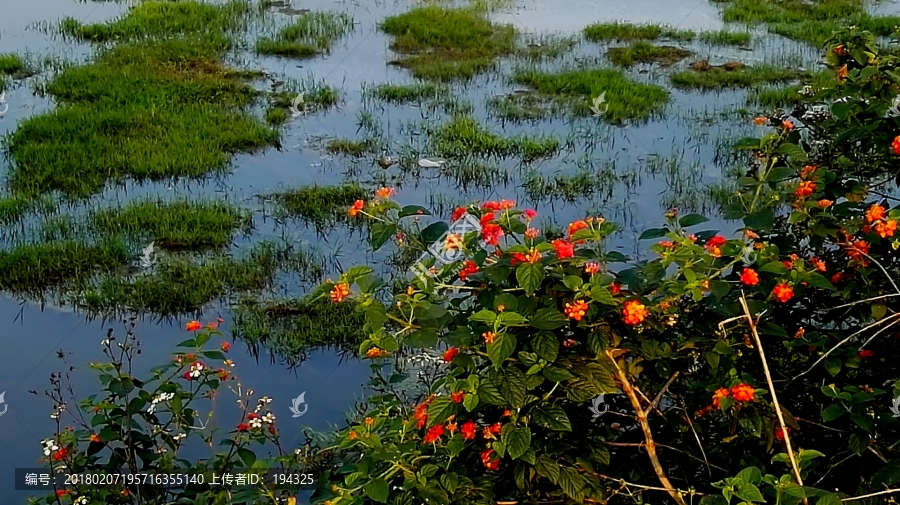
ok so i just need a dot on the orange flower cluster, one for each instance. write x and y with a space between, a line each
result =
635 312
783 292
491 432
385 193
339 292
591 267
760 121
805 189
564 249
740 392
575 226
468 269
807 171
468 430
896 144
433 434
884 227
376 352
842 72
714 244
450 353
356 208
824 203
750 277
487 458
576 310
458 396
533 256
858 251
488 337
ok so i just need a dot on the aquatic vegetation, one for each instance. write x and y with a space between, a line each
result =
789 11
318 205
726 37
625 98
585 183
789 95
310 34
14 66
546 47
31 269
466 136
447 44
518 107
643 52
600 32
474 173
745 76
407 93
291 329
349 147
179 224
277 116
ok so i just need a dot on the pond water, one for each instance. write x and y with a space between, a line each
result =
644 169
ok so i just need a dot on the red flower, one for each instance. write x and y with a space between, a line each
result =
421 415
576 310
491 233
507 204
450 353
458 213
750 277
563 249
193 326
491 206
458 396
487 456
243 427
780 433
718 395
487 218
743 392
804 189
634 312
713 245
339 292
529 214
434 433
838 277
615 288
896 144
575 226
490 432
225 346
866 353
469 269
859 248
60 454
468 430
783 292
875 213
61 492
356 208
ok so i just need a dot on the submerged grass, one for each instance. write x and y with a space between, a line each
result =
717 78
407 93
174 225
626 98
292 328
789 11
356 148
643 52
30 269
311 34
464 136
600 32
318 205
726 38
790 95
448 44
518 107
14 66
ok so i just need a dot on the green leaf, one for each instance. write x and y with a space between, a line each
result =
602 295
572 483
440 409
818 280
549 318
775 267
556 374
247 456
879 310
547 468
470 402
511 318
421 339
380 233
888 475
413 210
751 475
829 499
552 417
692 220
546 345
530 276
833 412
377 490
517 441
483 316
748 492
434 231
653 233
747 143
501 348
511 384
794 151
832 365
762 220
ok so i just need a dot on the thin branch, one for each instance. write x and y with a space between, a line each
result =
867 300
886 274
661 393
879 332
762 356
832 467
863 497
697 438
642 444
641 486
648 434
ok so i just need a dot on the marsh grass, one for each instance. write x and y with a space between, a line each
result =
356 148
726 38
473 173
521 107
789 11
15 66
643 52
717 78
465 136
407 93
626 99
572 187
292 328
600 32
310 34
277 116
790 95
448 44
546 47
317 95
31 269
179 224
321 206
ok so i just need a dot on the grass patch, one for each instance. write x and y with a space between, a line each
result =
276 116
447 44
14 66
626 98
519 107
356 148
174 225
34 268
789 11
311 34
316 96
319 205
292 328
717 78
790 95
643 52
407 93
545 48
601 32
570 187
726 38
466 136
184 285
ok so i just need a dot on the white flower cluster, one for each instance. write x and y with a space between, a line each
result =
162 397
82 500
257 422
265 400
196 368
59 409
50 446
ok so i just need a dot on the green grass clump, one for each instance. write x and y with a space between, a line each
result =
545 48
569 187
276 116
292 328
316 96
643 52
599 32
789 11
466 136
15 66
349 147
448 44
148 111
626 98
518 107
790 95
34 268
312 33
717 78
726 38
179 224
407 93
319 205
162 19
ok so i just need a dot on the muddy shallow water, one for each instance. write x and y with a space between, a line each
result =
687 141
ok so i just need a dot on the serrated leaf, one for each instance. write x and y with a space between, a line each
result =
518 441
530 276
552 417
501 348
380 233
602 295
470 402
440 409
653 233
547 468
692 220
794 151
549 318
546 345
556 374
377 490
